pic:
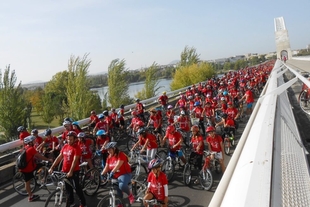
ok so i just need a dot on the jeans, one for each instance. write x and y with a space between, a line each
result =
123 181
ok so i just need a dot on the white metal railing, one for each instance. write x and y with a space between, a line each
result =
248 177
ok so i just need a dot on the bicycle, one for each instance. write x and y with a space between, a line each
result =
172 160
229 140
41 178
111 200
90 179
138 168
58 196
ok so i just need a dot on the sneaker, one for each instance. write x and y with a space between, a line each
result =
33 197
131 199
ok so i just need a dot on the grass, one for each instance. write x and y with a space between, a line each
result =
38 123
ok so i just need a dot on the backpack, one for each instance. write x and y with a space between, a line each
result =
21 161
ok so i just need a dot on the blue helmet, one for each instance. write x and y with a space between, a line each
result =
225 93
75 123
100 132
197 103
101 116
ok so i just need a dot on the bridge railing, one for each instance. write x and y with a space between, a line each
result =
250 174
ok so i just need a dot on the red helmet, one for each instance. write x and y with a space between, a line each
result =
170 128
229 103
230 122
210 129
140 123
195 128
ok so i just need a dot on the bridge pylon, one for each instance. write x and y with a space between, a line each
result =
282 39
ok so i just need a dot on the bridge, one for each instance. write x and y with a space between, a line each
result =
269 166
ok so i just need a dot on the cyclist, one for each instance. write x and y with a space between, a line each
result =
306 90
156 120
101 141
101 125
22 133
114 118
184 123
49 144
232 113
198 113
197 145
215 144
209 112
134 122
157 186
175 140
93 119
38 141
170 114
108 120
163 100
120 116
86 146
119 168
249 99
70 154
139 108
31 155
146 141
76 127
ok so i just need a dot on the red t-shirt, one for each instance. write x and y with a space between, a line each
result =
94 118
101 125
152 141
139 108
196 142
31 166
85 148
231 112
198 112
157 185
68 152
170 116
174 139
23 134
48 142
163 99
184 123
249 97
125 167
209 111
37 142
100 141
215 143
156 120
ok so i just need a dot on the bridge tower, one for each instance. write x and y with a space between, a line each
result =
282 39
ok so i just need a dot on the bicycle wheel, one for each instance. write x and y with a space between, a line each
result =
226 146
139 172
187 176
108 202
91 182
131 142
19 184
55 199
168 169
206 179
162 154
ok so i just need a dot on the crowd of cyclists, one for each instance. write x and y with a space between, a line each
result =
198 120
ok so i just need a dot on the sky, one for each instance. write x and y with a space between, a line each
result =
37 38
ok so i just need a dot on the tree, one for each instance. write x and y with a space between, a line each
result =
118 85
188 75
188 57
80 99
57 88
48 111
150 84
14 109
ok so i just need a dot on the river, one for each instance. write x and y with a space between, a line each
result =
133 88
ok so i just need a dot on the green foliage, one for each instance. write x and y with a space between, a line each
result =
188 57
14 109
49 109
80 99
57 87
150 84
303 52
118 85
192 74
